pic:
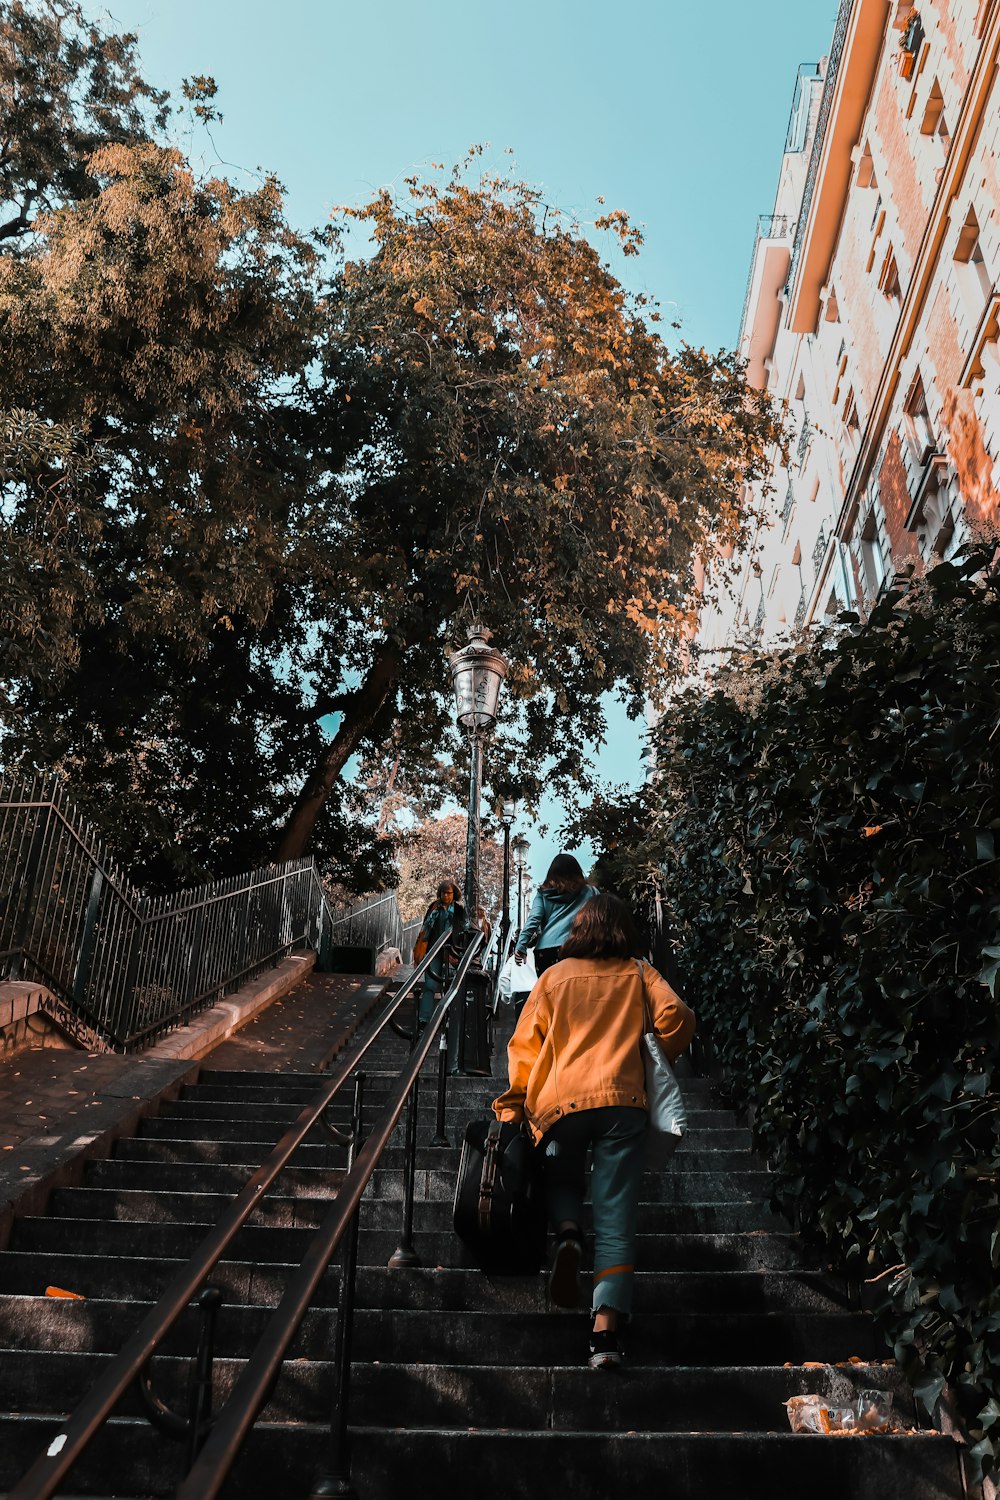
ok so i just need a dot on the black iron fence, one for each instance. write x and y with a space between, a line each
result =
374 922
124 967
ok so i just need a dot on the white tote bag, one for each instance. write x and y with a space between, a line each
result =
667 1115
517 979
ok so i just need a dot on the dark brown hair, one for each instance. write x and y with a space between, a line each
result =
602 928
564 874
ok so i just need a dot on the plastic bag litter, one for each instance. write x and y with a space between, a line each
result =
870 1412
816 1414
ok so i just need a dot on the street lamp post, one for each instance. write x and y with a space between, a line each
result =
477 672
520 846
507 815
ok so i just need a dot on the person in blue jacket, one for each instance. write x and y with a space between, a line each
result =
557 901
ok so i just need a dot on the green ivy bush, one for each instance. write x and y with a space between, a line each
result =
824 823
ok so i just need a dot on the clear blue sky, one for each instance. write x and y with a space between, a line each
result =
673 110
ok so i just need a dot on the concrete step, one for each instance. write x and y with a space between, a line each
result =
696 1091
178 1142
144 1278
154 1206
657 1398
29 1379
207 1177
683 1338
459 1292
273 1093
389 1461
596 1465
568 1399
110 1237
434 1177
102 1326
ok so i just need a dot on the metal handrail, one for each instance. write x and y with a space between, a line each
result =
251 1391
47 1472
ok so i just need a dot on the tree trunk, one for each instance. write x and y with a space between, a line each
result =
358 716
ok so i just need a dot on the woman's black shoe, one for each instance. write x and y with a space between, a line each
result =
605 1351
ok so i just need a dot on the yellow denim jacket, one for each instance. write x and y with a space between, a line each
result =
576 1044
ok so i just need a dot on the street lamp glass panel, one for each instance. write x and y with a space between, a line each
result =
477 671
508 812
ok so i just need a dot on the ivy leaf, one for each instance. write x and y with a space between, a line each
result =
988 973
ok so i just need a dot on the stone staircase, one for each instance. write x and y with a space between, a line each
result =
458 1381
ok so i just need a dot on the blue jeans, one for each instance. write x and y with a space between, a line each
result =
617 1135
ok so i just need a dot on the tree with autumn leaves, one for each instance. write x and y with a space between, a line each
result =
254 491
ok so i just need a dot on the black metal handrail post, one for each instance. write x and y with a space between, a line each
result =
404 1257
440 1137
335 1480
48 1471
200 1403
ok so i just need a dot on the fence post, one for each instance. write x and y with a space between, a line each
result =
27 911
85 952
194 958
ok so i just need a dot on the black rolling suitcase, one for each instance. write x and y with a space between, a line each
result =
500 1199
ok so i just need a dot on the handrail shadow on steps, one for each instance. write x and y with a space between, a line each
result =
234 1420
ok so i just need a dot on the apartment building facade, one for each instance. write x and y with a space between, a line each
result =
872 312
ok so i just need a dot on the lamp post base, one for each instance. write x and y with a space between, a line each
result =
403 1258
333 1487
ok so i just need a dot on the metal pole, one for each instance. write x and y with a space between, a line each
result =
336 1480
505 923
404 1257
472 833
200 1395
440 1138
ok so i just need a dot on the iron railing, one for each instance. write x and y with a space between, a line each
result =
224 1433
411 931
798 121
374 922
123 967
825 106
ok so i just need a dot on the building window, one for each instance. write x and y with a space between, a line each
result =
889 279
923 438
975 280
934 122
873 554
933 517
852 420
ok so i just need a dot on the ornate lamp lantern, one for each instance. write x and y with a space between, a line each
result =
477 671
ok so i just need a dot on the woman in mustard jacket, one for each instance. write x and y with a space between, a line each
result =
576 1077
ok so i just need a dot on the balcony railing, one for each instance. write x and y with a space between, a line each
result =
825 106
769 227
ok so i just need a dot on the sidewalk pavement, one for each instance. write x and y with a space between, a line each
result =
60 1108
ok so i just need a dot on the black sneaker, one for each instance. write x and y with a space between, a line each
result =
564 1278
606 1353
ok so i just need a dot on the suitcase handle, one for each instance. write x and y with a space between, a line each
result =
487 1182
